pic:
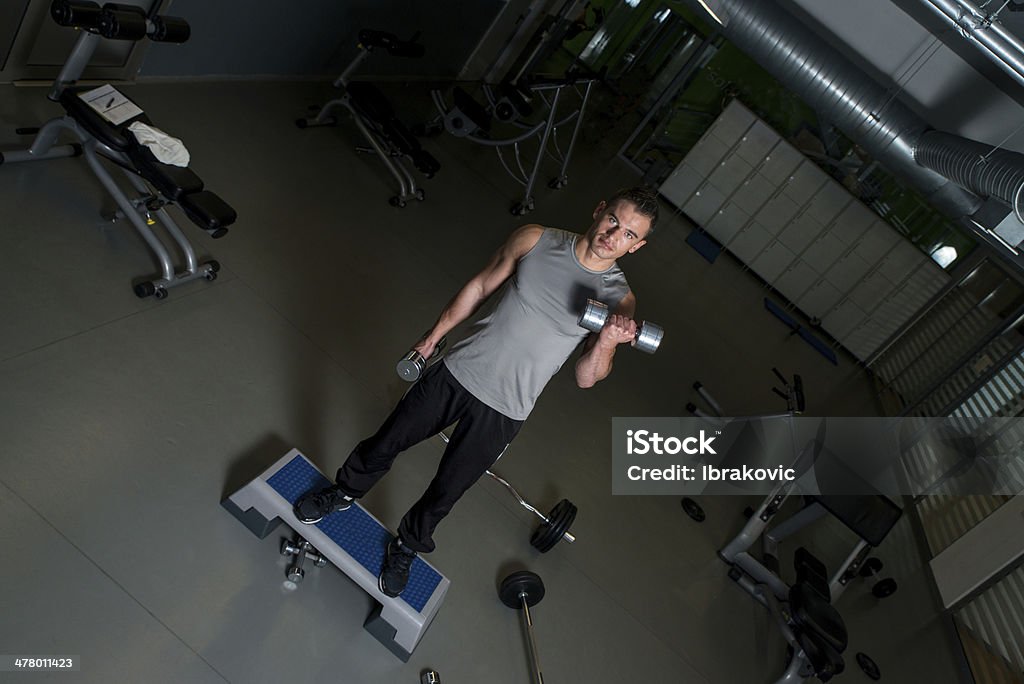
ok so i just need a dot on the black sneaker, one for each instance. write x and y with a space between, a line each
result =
395 574
311 508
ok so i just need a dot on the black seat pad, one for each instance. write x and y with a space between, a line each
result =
172 181
373 106
370 101
814 615
208 211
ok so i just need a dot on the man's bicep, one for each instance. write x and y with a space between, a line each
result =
503 263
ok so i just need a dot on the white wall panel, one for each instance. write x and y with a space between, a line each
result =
802 232
772 261
727 222
704 203
750 242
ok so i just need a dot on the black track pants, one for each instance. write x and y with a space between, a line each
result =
433 403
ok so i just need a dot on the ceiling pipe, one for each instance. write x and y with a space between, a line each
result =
830 83
982 169
998 44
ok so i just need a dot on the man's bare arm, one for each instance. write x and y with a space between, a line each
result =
481 286
595 363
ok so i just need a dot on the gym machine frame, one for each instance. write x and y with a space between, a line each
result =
120 22
390 141
467 119
799 609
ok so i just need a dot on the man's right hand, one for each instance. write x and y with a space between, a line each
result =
425 347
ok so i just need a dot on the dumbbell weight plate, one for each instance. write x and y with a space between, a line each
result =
522 582
649 337
594 316
560 519
411 366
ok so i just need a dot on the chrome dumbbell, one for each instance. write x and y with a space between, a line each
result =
648 335
411 366
302 550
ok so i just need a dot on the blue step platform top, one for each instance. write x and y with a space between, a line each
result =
354 531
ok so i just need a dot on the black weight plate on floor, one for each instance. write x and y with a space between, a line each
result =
871 567
868 666
562 517
559 520
883 588
542 537
693 509
547 535
518 583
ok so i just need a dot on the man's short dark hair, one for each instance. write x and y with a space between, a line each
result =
644 198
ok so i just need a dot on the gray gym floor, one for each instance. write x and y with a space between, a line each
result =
123 423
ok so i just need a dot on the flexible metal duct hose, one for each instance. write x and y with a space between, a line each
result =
978 167
840 92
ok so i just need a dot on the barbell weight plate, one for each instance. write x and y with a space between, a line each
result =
543 538
522 582
871 567
884 588
693 509
560 520
564 521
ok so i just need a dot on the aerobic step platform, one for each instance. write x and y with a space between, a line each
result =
353 540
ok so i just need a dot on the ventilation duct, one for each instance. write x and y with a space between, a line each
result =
976 166
850 99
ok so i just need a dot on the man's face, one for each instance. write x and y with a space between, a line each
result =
618 229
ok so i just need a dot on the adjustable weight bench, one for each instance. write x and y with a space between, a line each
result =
376 119
805 611
101 133
353 540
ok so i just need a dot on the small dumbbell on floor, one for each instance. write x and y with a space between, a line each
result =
302 550
648 335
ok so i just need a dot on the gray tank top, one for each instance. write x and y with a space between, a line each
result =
511 353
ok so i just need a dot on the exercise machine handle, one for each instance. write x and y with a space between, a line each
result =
170 30
123 22
77 13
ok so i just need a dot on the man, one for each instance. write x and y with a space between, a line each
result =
490 381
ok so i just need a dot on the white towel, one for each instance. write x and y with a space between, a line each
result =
165 148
